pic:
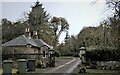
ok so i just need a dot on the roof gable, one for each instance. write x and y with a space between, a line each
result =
20 41
23 41
41 43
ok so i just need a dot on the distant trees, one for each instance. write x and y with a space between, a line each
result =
10 30
105 35
90 36
114 21
108 33
70 47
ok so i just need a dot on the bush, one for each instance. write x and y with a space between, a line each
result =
75 54
57 53
82 70
86 63
40 64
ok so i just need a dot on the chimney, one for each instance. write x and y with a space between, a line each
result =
35 35
28 33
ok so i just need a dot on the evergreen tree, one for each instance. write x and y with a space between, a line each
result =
38 20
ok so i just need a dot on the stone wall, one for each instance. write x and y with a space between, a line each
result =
26 50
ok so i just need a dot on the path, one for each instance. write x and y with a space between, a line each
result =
66 68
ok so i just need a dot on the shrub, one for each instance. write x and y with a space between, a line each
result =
82 70
57 53
103 55
38 63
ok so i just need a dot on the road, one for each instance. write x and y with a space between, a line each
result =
66 68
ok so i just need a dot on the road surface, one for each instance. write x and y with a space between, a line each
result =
66 68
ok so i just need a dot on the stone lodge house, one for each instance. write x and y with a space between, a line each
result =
27 44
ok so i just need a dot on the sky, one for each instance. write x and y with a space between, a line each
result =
79 13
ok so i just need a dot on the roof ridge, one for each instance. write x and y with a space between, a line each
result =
30 41
27 40
24 37
23 40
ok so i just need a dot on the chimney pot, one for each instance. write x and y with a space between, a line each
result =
28 33
35 35
34 32
27 30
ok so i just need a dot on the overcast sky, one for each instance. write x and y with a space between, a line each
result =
79 13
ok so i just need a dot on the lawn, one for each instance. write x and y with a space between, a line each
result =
95 71
100 71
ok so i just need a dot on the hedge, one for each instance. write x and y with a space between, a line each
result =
103 55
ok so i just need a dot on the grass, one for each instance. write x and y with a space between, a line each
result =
100 71
13 71
95 71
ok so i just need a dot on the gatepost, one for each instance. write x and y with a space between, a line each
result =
82 54
52 58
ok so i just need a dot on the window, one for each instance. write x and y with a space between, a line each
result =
44 54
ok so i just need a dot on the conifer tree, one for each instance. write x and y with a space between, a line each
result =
38 20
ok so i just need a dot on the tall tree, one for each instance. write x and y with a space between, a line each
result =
38 15
115 20
58 25
38 20
115 5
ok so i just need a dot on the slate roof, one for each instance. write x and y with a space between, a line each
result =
23 41
40 42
